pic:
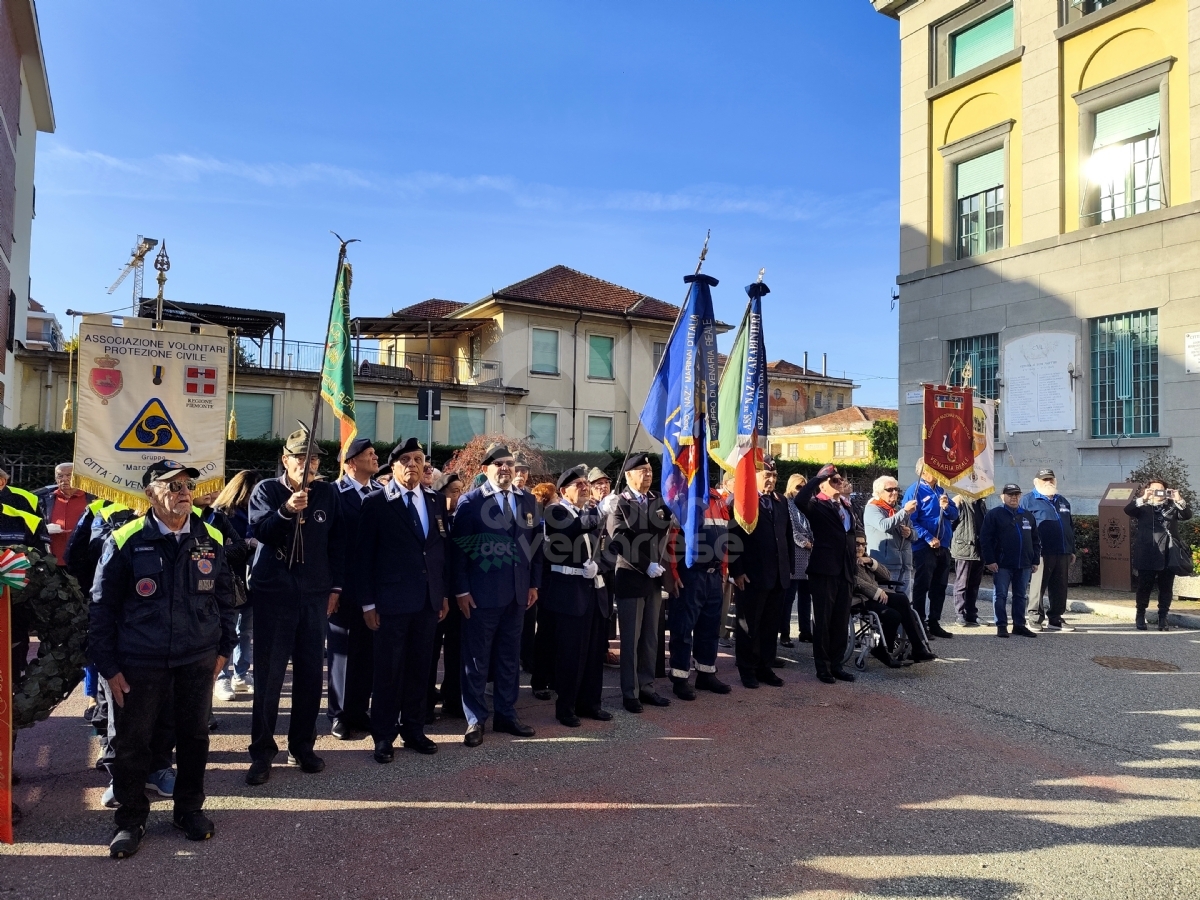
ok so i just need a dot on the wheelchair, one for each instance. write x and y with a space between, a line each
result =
865 634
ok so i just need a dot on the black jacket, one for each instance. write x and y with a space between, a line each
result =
1157 528
965 543
158 602
321 573
399 569
484 549
766 553
1009 538
86 546
572 538
637 535
833 546
352 503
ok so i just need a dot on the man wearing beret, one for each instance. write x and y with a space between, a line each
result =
573 592
497 570
350 646
161 626
293 600
637 524
402 566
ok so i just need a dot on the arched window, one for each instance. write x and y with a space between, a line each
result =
795 395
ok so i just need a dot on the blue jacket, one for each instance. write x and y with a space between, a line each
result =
324 544
1010 539
492 563
929 520
399 569
1054 525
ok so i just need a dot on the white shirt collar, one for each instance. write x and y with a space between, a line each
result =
186 528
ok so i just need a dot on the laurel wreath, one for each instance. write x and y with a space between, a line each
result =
54 608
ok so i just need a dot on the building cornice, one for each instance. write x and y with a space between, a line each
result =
1099 17
29 40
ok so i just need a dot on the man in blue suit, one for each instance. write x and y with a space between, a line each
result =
402 562
497 571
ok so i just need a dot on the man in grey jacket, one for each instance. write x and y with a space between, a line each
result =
968 566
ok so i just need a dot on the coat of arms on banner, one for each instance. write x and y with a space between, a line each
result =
105 379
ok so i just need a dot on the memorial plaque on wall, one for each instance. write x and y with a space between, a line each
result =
1039 393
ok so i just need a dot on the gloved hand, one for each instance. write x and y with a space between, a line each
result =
609 504
654 570
590 569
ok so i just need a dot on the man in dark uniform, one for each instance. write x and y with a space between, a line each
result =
637 523
351 645
402 563
830 570
292 604
762 572
162 625
573 593
497 568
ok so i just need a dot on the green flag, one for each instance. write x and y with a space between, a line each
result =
337 377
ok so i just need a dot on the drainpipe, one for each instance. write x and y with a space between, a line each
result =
574 375
824 363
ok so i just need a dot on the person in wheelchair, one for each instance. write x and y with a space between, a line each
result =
892 607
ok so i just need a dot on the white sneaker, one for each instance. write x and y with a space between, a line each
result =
242 685
108 799
223 690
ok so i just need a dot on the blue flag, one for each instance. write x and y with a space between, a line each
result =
681 410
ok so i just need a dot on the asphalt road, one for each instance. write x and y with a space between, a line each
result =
1017 768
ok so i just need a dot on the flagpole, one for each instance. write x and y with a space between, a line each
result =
297 554
653 378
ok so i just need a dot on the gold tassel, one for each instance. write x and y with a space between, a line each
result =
232 435
68 417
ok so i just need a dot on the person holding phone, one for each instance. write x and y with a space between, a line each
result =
1157 551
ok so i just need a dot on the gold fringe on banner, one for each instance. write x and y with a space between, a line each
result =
139 503
208 486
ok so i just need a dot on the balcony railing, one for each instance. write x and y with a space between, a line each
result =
1074 10
370 362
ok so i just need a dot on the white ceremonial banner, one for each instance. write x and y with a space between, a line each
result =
1039 392
981 480
147 394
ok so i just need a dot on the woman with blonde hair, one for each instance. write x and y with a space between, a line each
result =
798 593
234 503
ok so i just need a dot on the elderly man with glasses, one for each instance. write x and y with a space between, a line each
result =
161 628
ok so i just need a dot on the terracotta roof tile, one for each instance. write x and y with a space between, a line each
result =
431 309
561 286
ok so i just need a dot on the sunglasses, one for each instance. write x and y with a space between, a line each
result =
176 486
836 479
503 463
891 490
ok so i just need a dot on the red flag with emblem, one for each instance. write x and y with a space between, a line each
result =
947 435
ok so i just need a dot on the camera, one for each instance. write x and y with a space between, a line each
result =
1160 493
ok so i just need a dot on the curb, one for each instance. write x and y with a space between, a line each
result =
1116 611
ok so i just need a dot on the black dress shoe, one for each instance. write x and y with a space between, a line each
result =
195 825
766 676
936 629
571 721
344 732
421 744
125 842
653 698
474 736
749 681
787 642
384 752
826 678
541 694
842 675
632 705
779 663
513 726
708 681
919 656
683 689
260 772
598 713
1023 631
804 638
307 761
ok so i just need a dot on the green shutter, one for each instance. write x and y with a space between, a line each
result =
465 423
982 41
405 423
599 434
600 356
1127 121
543 429
545 351
255 415
366 413
981 174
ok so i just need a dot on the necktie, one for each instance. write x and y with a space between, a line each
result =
505 505
412 512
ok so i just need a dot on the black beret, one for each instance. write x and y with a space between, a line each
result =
356 446
495 452
826 472
575 473
410 446
384 472
636 461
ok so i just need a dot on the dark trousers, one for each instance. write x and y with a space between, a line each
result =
758 627
1050 579
695 622
580 645
638 618
931 571
350 651
542 674
897 613
798 597
162 738
529 627
189 690
831 621
403 647
491 642
447 637
283 633
1164 579
967 575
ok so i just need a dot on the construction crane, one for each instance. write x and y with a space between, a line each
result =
136 261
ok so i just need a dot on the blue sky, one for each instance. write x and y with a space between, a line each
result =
470 145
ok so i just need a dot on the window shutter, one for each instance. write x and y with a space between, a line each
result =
545 351
981 42
1126 121
465 423
405 423
599 433
365 415
255 415
981 174
543 428
600 356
